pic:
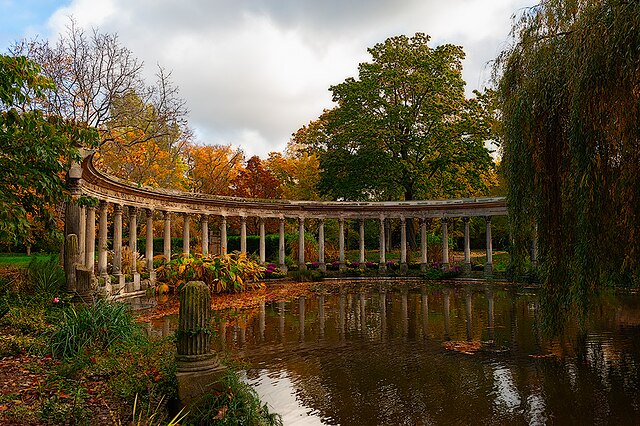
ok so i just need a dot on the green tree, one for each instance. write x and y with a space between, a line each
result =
404 129
35 150
568 88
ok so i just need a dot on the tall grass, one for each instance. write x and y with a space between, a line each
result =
100 326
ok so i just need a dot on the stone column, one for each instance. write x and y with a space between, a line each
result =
321 261
72 224
90 239
362 259
204 221
82 236
423 245
445 243
467 246
133 245
167 236
149 246
488 267
262 248
243 234
383 257
117 245
341 243
197 368
185 234
301 264
102 239
281 246
223 235
403 246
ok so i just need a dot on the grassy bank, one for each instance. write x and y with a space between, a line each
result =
66 364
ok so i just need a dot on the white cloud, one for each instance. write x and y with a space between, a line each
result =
254 72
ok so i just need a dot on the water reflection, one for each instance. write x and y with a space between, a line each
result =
375 355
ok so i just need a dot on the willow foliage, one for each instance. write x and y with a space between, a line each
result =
569 89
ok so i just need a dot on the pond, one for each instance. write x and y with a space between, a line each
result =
418 354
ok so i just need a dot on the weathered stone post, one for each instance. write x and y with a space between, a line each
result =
383 261
467 246
281 246
362 254
197 367
262 248
445 243
243 234
343 265
149 246
204 223
71 260
166 216
301 265
488 266
322 265
404 266
424 244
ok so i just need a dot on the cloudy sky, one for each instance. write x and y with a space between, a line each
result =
253 72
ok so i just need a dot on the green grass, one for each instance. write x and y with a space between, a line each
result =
20 259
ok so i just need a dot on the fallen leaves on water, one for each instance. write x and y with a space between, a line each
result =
463 346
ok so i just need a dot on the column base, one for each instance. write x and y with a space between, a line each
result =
283 268
466 268
404 268
342 267
302 267
382 267
136 282
488 268
444 266
197 377
322 266
424 267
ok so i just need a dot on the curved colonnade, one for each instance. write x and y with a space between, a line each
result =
86 180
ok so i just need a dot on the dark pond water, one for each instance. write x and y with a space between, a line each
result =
394 354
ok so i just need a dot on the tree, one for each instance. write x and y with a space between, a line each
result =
568 90
36 150
213 168
404 129
93 71
255 181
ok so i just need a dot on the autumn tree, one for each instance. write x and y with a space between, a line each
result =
91 72
404 130
256 181
36 149
213 168
569 88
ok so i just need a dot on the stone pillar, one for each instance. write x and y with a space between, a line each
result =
204 222
423 245
488 266
133 245
223 235
149 246
362 258
243 234
117 246
403 246
72 221
321 261
341 243
467 246
197 368
185 234
301 264
71 261
82 235
90 239
281 246
167 236
102 239
262 249
383 240
445 243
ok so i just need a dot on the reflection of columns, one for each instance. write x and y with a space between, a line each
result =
185 234
262 247
281 246
363 315
445 243
117 239
423 244
102 240
425 312
301 265
149 244
90 239
281 315
167 236
468 315
383 313
321 314
261 319
361 242
491 326
243 234
383 258
82 235
301 304
405 311
341 242
223 235
403 244
445 302
488 267
467 246
322 265
341 316
133 238
204 222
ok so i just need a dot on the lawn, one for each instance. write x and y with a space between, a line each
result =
21 259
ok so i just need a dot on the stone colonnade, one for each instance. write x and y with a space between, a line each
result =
171 206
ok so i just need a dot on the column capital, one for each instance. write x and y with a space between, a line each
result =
488 219
166 215
321 221
149 212
204 217
133 211
117 208
465 219
243 219
102 204
445 219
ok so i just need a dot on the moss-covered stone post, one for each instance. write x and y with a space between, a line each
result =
198 370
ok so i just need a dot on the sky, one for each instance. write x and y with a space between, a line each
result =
253 72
